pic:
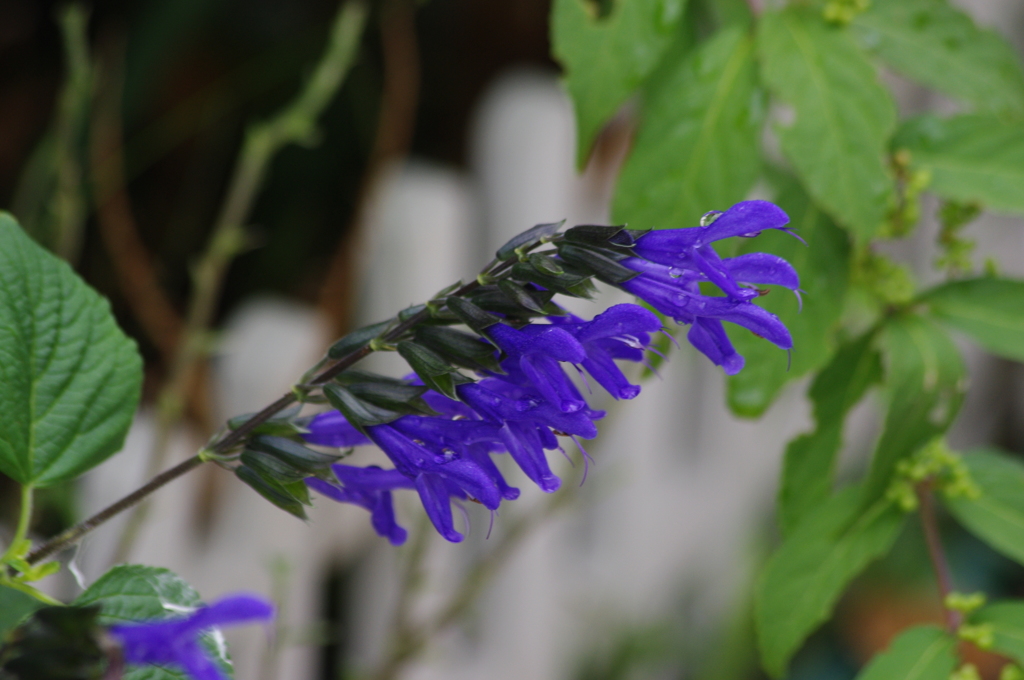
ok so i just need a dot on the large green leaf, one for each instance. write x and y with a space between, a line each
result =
1007 622
808 469
14 606
69 378
606 58
698 148
972 158
132 592
804 579
919 653
843 116
990 310
939 46
823 265
924 384
997 516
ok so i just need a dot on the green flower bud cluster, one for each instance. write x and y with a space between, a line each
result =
1011 671
906 212
889 282
937 462
966 672
956 250
982 636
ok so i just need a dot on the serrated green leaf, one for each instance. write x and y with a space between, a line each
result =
277 493
69 378
843 116
356 339
971 159
132 592
939 46
358 411
823 266
924 385
14 607
1007 622
805 577
809 465
997 516
919 653
698 147
605 59
990 310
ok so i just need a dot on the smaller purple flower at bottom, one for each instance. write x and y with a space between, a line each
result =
176 642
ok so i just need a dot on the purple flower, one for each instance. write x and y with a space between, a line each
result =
437 477
672 263
620 332
175 642
369 488
331 429
536 350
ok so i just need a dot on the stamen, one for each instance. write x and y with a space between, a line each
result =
587 460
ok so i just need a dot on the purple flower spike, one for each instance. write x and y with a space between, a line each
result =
369 488
175 642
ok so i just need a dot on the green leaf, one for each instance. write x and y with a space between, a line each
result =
805 577
843 116
132 592
809 466
990 310
919 653
15 606
55 643
924 384
69 378
607 58
971 159
1007 622
939 46
997 516
823 265
698 147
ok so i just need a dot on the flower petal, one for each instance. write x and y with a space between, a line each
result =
746 218
438 505
708 336
763 268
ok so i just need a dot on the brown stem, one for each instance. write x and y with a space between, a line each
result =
72 535
943 576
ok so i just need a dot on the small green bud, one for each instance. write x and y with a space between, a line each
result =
965 603
982 636
966 672
1011 671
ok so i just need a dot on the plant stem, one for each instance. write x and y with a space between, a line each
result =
943 576
72 535
24 521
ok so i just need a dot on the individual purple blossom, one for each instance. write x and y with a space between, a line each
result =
332 429
437 478
620 332
176 642
537 350
369 488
